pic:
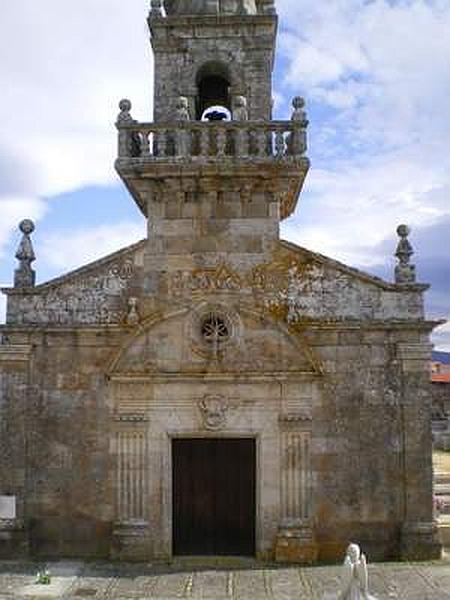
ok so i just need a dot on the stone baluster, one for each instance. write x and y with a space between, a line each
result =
24 276
242 142
145 143
261 141
162 143
280 144
221 141
204 142
405 272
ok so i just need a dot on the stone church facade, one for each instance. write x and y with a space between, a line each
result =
213 389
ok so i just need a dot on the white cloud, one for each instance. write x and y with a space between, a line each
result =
66 66
64 251
441 337
377 74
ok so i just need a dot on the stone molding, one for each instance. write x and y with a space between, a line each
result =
15 353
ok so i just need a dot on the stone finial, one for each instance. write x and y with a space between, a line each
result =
182 109
404 271
24 276
125 112
299 113
240 112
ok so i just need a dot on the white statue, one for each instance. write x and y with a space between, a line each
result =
240 112
355 585
182 109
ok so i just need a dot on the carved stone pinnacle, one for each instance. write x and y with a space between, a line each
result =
24 276
125 109
405 272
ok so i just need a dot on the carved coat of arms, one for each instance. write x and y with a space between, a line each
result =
214 410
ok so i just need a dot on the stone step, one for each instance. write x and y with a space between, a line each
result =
442 489
441 477
444 530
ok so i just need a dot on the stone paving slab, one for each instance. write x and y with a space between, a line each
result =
108 581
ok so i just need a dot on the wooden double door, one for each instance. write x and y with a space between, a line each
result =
214 496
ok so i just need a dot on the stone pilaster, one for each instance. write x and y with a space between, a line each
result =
419 533
14 379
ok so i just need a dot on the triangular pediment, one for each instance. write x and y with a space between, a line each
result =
187 342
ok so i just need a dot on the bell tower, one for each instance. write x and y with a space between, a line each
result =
213 57
213 173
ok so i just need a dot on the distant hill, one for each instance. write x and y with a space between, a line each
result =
441 357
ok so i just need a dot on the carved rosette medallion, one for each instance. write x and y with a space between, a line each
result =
214 412
214 329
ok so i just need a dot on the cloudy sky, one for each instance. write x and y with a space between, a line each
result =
376 78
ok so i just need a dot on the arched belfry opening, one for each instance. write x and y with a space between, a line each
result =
213 88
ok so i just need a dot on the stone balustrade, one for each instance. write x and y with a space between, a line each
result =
206 141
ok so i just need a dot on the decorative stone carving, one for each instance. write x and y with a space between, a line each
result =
222 278
24 276
355 585
404 271
214 410
133 314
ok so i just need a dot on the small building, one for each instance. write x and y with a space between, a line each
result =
440 386
213 389
440 367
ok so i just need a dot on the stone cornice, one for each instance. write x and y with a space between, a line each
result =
15 353
310 324
82 271
270 376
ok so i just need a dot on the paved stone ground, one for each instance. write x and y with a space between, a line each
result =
246 581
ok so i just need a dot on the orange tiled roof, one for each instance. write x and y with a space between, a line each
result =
440 377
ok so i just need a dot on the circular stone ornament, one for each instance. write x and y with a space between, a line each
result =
215 329
26 226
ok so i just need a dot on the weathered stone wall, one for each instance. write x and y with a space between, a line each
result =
96 294
58 437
